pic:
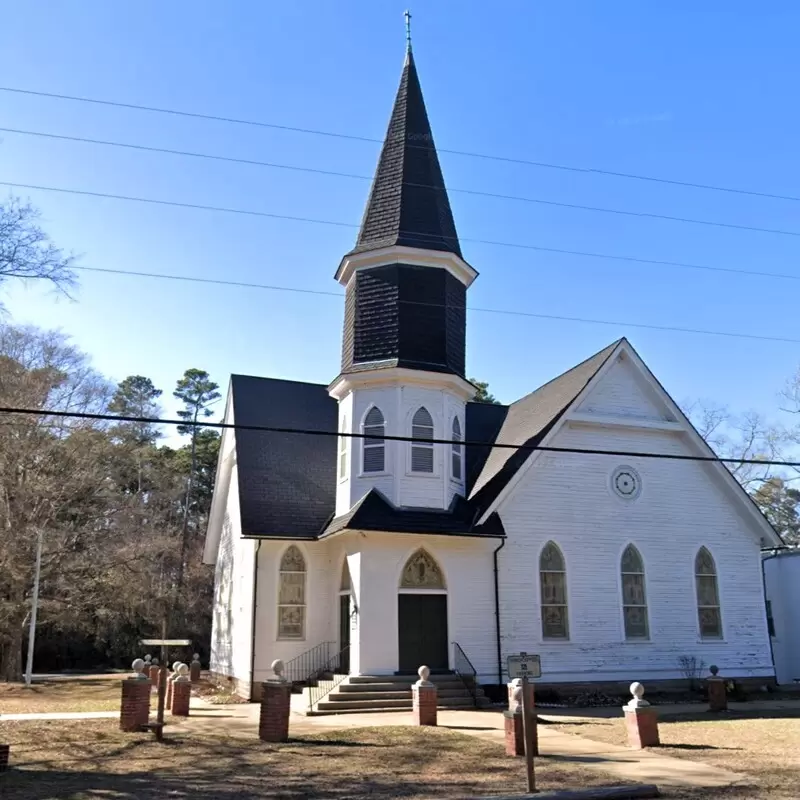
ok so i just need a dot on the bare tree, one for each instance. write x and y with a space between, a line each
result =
747 436
27 252
52 472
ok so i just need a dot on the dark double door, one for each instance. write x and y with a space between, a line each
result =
422 632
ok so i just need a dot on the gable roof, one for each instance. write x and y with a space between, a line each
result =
527 421
287 481
408 203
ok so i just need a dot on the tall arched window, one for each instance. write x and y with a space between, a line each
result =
422 451
709 616
292 595
374 446
457 457
553 581
343 449
634 596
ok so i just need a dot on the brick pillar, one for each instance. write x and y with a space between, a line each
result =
423 694
642 725
515 742
717 694
5 752
273 722
181 694
195 669
168 698
154 674
135 707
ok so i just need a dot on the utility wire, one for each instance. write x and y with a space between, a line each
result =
510 312
371 140
465 443
287 217
473 192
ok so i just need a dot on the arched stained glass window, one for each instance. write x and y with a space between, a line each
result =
553 582
292 595
634 595
709 615
422 572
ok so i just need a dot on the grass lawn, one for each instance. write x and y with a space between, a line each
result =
95 693
93 759
766 750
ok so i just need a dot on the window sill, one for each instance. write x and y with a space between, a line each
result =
383 474
290 638
430 475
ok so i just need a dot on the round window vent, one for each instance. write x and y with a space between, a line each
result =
626 483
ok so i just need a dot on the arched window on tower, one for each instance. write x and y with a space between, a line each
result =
458 451
292 595
634 596
553 582
343 449
421 450
374 445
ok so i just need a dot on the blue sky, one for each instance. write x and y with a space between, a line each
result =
657 89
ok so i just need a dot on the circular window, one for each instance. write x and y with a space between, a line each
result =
626 483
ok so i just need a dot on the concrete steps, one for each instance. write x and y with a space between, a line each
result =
370 694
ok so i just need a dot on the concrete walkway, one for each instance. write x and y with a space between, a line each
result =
645 766
60 715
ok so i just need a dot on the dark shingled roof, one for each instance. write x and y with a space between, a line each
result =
375 513
287 481
408 203
527 421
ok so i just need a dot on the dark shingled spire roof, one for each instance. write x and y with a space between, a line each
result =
408 202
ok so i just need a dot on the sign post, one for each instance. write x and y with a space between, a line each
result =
527 666
527 733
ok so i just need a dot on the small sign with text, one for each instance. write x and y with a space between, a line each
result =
524 665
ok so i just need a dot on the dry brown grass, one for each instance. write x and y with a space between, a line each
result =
94 759
765 749
96 693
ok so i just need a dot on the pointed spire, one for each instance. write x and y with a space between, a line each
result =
408 203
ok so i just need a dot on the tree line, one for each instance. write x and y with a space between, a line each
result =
121 516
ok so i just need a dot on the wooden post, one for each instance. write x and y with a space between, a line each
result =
528 732
162 696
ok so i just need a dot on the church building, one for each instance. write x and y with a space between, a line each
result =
359 559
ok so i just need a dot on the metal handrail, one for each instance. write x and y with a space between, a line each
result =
339 669
462 666
305 667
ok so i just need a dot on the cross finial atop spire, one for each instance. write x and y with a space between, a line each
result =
407 15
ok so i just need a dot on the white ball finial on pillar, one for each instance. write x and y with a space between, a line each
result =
277 668
638 701
424 673
138 669
183 673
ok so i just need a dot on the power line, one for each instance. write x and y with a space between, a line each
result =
510 312
391 438
489 242
371 140
473 192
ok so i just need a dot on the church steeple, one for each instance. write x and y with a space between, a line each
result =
408 203
406 280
